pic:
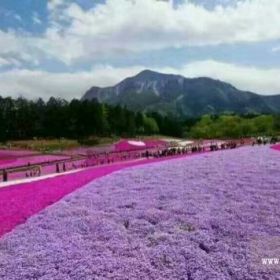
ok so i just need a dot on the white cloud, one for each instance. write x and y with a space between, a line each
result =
16 47
8 42
3 62
9 62
263 81
36 19
34 84
121 26
54 4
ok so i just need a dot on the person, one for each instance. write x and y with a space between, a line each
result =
5 175
39 170
273 140
57 168
147 154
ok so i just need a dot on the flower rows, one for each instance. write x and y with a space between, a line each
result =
19 202
183 219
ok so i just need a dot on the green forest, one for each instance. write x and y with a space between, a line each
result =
24 119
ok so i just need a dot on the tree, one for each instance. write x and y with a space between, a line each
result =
150 125
264 125
139 122
204 128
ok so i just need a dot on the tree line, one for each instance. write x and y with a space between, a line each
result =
25 119
234 126
56 118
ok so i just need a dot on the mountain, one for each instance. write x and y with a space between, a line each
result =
185 97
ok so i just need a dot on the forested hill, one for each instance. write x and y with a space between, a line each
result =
164 93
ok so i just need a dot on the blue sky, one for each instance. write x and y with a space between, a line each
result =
63 47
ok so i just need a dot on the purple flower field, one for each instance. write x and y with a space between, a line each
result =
193 219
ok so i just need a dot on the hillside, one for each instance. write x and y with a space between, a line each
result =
175 94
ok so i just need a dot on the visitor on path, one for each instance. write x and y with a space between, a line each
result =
147 154
57 168
5 175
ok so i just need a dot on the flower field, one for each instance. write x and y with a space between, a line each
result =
19 202
276 147
84 151
7 157
20 161
21 158
191 218
16 153
123 145
132 145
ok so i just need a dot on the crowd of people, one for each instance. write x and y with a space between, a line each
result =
34 171
97 159
264 140
108 158
94 159
101 158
